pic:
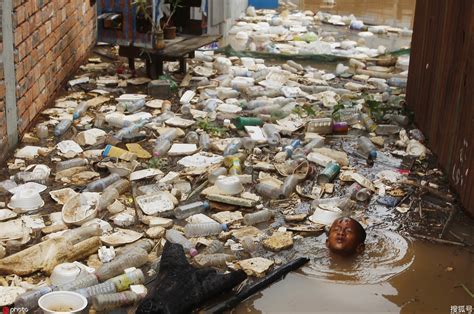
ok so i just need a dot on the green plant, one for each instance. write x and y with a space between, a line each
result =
174 5
211 128
305 111
143 8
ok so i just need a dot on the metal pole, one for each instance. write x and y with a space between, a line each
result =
9 74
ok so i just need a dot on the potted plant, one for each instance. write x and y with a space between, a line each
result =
169 30
156 32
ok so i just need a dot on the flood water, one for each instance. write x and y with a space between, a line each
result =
394 274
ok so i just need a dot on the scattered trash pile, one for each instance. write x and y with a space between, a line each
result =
239 163
307 33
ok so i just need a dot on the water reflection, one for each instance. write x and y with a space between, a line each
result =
386 255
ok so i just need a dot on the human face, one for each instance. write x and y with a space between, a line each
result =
343 238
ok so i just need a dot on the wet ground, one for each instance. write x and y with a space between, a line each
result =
395 274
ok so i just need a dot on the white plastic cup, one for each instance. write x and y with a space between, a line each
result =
62 302
229 185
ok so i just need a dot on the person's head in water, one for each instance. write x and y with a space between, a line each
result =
346 237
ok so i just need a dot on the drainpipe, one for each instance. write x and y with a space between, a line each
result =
11 115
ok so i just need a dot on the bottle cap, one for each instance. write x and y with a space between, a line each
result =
225 227
193 252
373 154
206 204
106 150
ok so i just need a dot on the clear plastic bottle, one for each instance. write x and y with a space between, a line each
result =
130 131
163 117
289 149
42 131
101 184
192 137
397 82
71 163
107 197
224 93
88 280
258 103
80 110
214 260
268 191
258 217
233 162
204 141
295 65
398 119
62 127
314 143
248 244
122 186
271 134
353 189
135 257
30 298
187 210
106 302
362 195
175 236
216 246
368 122
102 288
233 147
387 129
349 115
131 106
289 185
366 147
163 143
124 281
269 109
204 229
82 233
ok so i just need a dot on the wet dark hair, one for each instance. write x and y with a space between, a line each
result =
360 230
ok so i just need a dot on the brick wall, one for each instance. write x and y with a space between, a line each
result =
52 38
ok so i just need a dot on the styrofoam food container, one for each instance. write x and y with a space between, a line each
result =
229 185
64 273
25 200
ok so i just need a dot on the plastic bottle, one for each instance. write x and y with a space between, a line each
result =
233 162
204 141
289 185
30 298
62 127
131 106
130 131
268 191
216 246
107 197
83 282
271 134
80 110
290 148
101 184
387 129
258 217
233 147
122 186
204 229
224 93
367 147
186 110
163 143
368 122
397 82
215 260
42 131
241 122
248 143
124 281
248 244
104 302
295 65
135 257
163 117
353 189
398 119
269 109
71 163
362 195
314 143
82 233
184 211
192 137
176 237
102 288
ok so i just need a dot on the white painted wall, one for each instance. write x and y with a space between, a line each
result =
222 15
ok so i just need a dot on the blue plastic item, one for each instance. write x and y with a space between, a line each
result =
264 4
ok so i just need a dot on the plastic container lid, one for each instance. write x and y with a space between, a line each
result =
373 154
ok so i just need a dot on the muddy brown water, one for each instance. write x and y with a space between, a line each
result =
395 274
